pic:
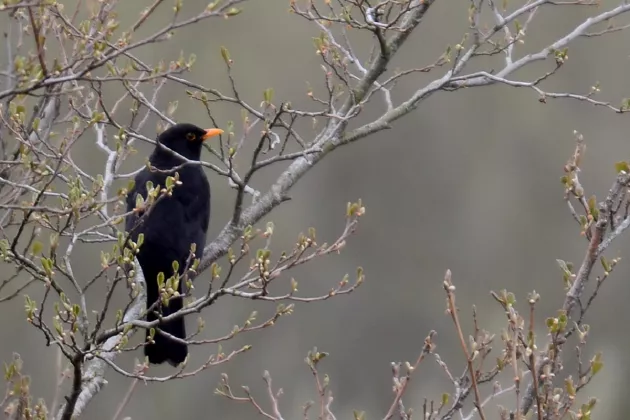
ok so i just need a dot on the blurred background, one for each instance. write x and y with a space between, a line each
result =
469 181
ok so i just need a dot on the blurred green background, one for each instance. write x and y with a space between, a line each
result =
469 181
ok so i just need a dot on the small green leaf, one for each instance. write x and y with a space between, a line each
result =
445 398
139 201
570 387
592 207
596 364
268 95
172 107
358 415
37 247
215 270
225 53
233 12
622 167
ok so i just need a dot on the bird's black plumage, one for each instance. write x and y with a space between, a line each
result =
170 227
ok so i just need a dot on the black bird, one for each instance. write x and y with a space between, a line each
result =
170 227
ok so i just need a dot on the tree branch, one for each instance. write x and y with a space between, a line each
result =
93 376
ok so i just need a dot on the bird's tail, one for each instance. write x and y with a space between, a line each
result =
165 349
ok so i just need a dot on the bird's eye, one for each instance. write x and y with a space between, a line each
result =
191 136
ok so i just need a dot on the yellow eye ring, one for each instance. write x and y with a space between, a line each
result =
191 136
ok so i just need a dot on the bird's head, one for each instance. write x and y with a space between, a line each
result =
186 139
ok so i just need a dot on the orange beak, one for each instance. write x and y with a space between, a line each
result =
211 132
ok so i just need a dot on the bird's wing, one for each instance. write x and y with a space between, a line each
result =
175 222
199 230
198 215
140 187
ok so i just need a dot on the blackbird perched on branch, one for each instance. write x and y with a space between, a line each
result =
170 226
